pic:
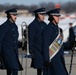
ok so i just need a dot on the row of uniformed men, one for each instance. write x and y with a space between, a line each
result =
41 37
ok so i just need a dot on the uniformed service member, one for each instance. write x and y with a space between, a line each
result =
53 44
35 29
71 35
9 43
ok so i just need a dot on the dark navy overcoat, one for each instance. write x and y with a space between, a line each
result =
57 64
35 42
9 45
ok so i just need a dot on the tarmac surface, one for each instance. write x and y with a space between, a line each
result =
30 71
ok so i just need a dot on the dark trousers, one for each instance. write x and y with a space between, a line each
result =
39 71
12 72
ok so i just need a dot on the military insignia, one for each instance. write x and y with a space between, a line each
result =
55 46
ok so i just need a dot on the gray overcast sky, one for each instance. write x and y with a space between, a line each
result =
30 2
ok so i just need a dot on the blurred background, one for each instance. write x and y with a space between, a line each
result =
25 7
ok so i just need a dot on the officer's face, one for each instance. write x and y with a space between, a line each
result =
13 17
41 17
56 18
